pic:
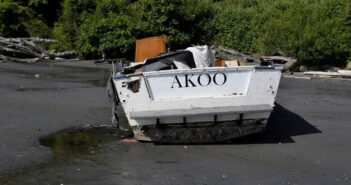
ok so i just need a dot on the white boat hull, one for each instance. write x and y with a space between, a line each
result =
198 105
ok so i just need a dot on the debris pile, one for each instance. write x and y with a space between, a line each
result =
27 50
230 54
288 63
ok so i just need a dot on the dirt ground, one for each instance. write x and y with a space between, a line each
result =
307 141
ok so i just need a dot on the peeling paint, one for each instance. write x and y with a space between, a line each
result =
134 85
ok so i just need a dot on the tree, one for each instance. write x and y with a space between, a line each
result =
12 19
74 14
116 24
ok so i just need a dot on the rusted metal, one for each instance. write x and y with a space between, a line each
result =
150 47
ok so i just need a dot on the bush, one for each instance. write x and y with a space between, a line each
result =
316 32
313 32
112 35
236 27
37 28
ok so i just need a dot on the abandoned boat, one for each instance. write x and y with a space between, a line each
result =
183 97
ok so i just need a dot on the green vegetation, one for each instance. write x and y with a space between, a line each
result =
317 32
116 24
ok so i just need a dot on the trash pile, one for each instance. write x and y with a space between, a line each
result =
191 57
151 55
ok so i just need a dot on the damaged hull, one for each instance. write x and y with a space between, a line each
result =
197 105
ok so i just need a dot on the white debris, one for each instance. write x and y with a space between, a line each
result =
181 65
203 56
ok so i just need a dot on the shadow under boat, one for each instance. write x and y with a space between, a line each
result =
281 127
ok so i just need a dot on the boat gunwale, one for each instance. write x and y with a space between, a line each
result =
198 70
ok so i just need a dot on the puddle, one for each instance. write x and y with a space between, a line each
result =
69 146
82 140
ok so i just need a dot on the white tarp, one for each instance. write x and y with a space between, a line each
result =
203 56
181 65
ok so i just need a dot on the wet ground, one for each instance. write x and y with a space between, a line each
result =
54 129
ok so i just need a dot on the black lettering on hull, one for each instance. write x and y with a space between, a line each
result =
188 82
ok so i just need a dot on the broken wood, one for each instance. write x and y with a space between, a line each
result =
18 51
31 39
41 40
231 51
28 51
11 59
321 74
287 62
6 45
230 54
64 55
345 72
